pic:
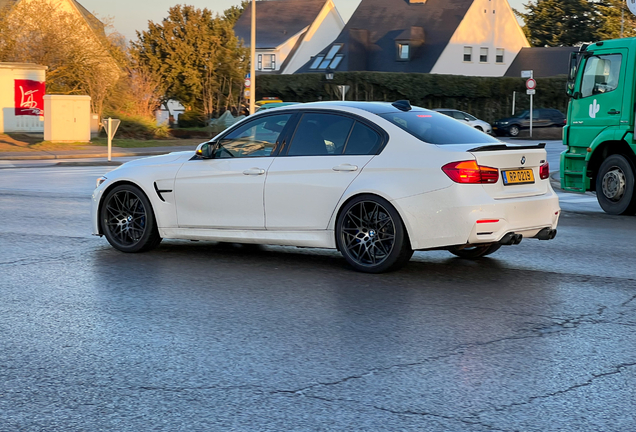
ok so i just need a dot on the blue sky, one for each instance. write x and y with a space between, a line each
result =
129 16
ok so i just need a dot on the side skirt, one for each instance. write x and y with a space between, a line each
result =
317 239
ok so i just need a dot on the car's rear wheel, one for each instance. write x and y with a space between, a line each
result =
475 252
479 128
513 130
371 236
127 220
615 186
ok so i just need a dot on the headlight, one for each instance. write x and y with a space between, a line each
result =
100 180
504 123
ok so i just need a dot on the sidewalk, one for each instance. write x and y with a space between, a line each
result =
92 152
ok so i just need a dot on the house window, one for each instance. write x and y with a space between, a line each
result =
266 61
259 62
331 60
483 55
403 51
316 62
468 54
499 55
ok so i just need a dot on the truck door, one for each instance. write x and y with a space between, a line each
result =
598 100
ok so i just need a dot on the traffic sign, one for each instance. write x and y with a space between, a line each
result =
247 93
531 84
531 92
526 74
248 82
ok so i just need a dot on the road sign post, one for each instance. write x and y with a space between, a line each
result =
111 125
531 86
343 90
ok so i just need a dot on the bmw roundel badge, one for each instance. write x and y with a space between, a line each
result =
523 160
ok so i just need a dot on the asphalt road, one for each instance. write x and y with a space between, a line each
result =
211 337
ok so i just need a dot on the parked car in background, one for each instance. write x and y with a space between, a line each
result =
274 105
267 100
465 117
544 117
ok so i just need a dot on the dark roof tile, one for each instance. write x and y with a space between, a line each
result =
543 61
277 20
384 21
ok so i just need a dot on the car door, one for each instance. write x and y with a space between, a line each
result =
305 182
599 96
226 191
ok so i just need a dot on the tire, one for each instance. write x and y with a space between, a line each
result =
371 236
475 252
127 220
615 186
513 130
479 128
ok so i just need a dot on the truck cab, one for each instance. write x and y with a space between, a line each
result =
599 134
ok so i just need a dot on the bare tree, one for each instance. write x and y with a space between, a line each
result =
81 59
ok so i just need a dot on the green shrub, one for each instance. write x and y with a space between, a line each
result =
138 127
488 98
192 119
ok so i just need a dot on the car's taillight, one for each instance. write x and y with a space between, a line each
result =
470 172
544 171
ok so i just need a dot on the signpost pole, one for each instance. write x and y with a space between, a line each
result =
531 96
253 60
514 96
110 138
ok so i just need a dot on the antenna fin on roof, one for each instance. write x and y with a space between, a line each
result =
402 105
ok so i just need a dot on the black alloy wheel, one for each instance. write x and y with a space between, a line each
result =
615 186
371 236
475 252
127 220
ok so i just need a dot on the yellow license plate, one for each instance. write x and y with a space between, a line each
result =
523 176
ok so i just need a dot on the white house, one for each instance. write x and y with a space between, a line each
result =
459 37
289 32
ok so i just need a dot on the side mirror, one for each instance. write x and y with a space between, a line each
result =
205 150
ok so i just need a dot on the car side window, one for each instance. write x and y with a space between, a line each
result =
320 135
458 115
256 138
363 141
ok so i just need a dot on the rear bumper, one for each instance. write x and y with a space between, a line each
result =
450 216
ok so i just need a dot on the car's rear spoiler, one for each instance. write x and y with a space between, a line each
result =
498 147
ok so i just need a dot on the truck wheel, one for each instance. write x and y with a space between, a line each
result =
615 186
514 130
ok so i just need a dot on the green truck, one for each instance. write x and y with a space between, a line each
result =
599 134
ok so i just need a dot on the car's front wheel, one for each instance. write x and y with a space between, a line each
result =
615 186
371 236
513 131
127 220
479 128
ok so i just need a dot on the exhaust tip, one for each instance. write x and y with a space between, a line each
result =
546 234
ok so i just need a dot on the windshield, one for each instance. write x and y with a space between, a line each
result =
436 128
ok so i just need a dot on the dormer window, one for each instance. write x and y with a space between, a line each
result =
331 60
403 51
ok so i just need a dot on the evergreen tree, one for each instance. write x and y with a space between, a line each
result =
560 22
197 56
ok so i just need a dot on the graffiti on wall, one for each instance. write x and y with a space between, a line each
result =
29 97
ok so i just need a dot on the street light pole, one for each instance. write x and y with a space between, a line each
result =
253 60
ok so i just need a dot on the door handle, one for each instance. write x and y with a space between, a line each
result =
345 167
254 171
613 111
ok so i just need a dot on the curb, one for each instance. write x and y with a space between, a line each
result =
82 156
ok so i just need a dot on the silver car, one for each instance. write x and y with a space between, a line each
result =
465 117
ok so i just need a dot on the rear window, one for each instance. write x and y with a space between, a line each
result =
435 128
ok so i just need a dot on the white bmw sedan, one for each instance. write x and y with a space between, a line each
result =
374 180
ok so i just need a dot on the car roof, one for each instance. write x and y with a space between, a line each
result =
372 107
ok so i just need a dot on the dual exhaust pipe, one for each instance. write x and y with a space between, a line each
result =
514 239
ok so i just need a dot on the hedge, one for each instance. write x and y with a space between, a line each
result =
488 98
